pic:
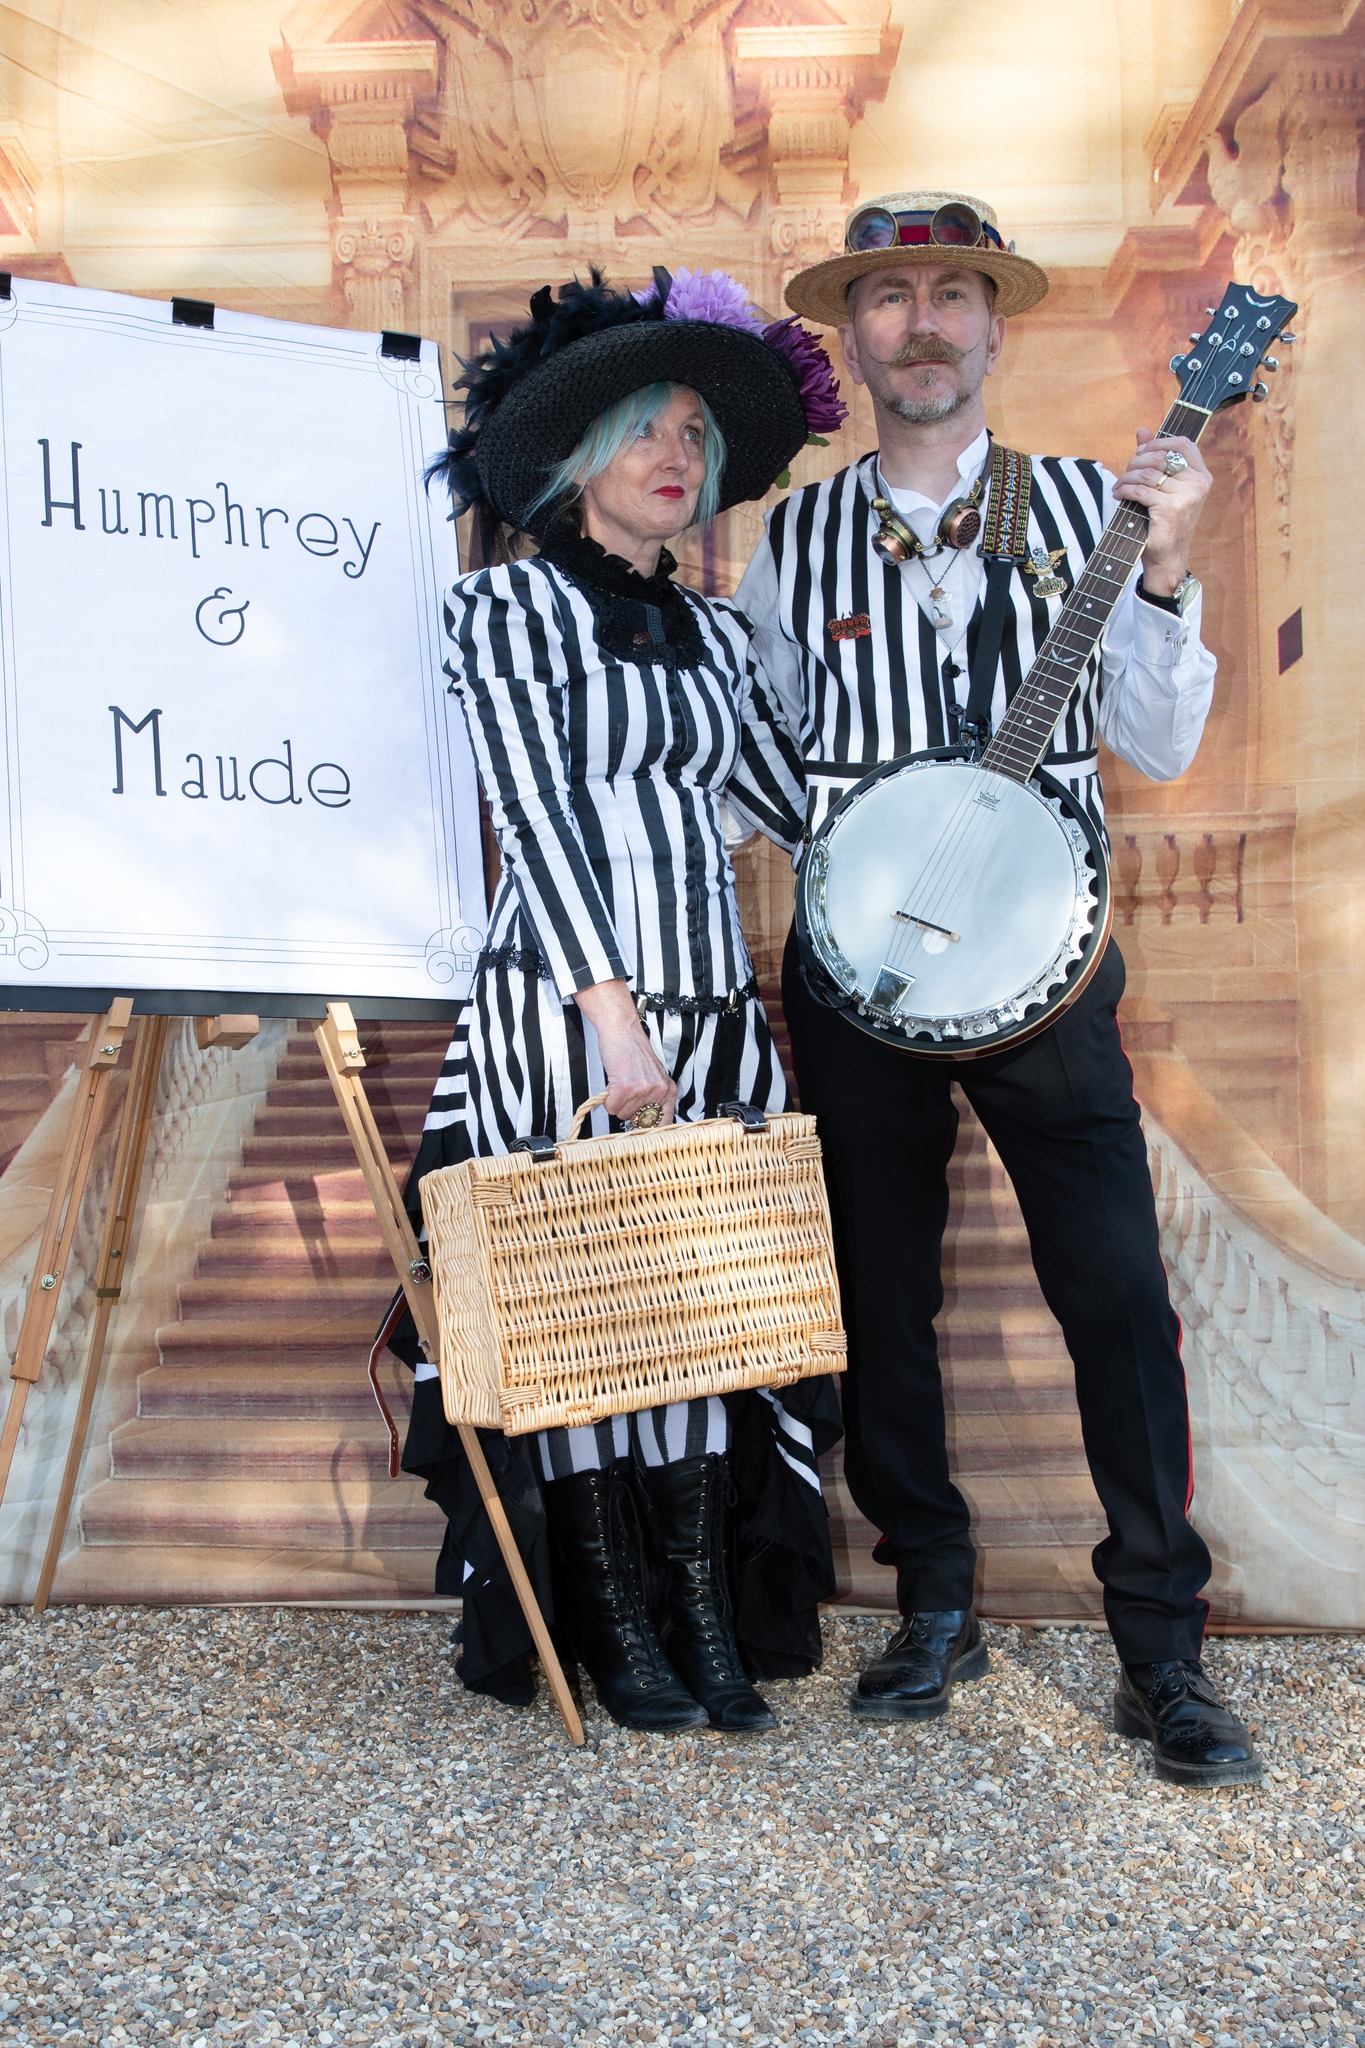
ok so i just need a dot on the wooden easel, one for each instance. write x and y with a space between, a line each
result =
339 1044
342 1056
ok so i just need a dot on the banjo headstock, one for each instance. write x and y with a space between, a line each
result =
1220 369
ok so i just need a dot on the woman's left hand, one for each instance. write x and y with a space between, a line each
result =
1173 504
636 1076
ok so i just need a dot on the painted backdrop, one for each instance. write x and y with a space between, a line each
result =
419 165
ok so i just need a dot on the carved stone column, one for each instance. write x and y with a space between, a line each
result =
372 261
1288 184
361 98
812 84
1246 178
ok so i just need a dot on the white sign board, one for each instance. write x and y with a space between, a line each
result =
230 764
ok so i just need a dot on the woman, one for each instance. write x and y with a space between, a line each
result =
614 717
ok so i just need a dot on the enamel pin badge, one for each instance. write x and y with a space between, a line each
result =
1042 563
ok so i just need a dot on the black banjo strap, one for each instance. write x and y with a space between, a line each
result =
1004 544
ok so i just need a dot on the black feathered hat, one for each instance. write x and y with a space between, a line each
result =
531 398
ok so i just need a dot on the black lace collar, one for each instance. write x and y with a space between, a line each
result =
636 618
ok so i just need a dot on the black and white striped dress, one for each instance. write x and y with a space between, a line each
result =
612 783
606 780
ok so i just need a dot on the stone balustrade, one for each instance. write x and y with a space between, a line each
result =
206 1104
1207 870
1270 1295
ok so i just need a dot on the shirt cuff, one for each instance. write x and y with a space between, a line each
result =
1162 638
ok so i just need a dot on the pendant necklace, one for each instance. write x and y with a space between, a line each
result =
940 604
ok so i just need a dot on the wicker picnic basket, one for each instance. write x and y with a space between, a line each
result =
600 1275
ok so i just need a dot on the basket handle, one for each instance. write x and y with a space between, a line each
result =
584 1111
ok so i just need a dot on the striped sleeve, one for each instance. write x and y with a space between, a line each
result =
767 786
508 663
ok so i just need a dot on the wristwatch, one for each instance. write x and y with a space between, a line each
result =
1180 599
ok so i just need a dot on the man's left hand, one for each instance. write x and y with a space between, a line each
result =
1173 503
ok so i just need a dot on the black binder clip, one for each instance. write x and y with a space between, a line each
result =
404 348
191 313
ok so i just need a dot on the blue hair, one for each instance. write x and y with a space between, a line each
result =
614 428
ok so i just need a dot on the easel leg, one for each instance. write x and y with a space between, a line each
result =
63 1214
109 1272
344 1061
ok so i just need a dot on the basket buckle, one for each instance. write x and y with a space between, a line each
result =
540 1149
746 1113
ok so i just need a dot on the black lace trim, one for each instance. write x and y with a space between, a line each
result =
525 960
635 618
698 1006
521 959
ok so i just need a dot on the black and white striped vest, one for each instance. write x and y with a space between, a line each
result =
871 663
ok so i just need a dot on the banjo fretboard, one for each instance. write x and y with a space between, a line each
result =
1042 697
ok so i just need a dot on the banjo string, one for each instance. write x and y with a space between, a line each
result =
957 842
1037 708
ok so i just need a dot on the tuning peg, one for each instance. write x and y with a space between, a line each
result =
1259 393
1272 363
1210 310
1288 340
1194 337
1178 362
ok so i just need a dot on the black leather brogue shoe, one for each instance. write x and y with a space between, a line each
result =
1195 1739
914 1677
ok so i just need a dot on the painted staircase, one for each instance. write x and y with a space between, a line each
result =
254 1467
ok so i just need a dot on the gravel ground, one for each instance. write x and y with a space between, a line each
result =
290 1826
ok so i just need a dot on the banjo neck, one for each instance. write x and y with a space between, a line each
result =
1027 727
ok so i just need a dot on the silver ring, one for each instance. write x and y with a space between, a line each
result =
1175 462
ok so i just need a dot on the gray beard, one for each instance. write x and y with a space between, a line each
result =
923 412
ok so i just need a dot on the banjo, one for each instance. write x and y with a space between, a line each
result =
956 902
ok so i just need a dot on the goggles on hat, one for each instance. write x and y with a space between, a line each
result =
953 226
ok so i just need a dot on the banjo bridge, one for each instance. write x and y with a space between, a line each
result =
889 992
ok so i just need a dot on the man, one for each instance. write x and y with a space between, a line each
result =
873 660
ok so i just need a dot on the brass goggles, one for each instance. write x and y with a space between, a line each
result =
954 226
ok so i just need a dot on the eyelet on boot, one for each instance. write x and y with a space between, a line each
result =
688 1504
595 1527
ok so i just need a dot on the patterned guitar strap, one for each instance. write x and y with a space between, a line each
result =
1004 545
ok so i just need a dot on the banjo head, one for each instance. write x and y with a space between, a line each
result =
952 910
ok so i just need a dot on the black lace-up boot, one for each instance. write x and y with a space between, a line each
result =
595 1526
1195 1739
688 1504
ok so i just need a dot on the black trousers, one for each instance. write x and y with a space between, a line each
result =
1061 1113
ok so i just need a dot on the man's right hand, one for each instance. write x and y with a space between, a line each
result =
635 1073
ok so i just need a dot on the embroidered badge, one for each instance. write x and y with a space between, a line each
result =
851 628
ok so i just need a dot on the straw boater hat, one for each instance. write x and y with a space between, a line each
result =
531 397
917 227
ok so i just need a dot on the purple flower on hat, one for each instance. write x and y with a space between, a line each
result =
715 296
825 410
